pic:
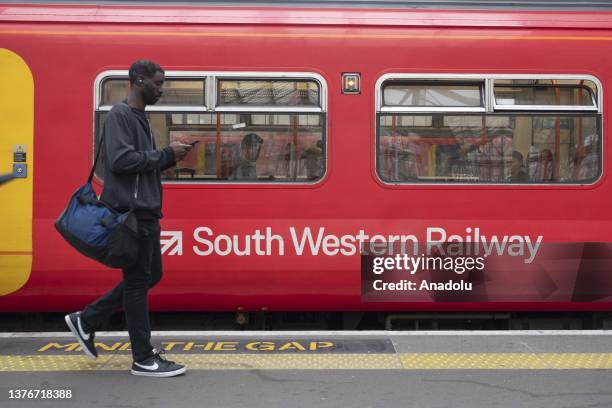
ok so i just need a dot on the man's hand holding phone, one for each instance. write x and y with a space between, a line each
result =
180 150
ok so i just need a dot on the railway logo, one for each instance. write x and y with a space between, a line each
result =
171 243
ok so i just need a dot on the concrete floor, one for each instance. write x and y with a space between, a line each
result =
333 386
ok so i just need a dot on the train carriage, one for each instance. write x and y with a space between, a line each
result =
380 123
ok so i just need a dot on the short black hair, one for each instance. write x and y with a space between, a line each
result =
144 68
250 140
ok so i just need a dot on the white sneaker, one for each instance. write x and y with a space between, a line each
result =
157 366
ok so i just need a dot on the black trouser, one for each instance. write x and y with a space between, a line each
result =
131 293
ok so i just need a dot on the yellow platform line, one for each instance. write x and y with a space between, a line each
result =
361 361
506 361
208 362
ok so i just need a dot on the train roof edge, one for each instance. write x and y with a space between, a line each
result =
338 12
575 5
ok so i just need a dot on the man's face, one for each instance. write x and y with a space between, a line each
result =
151 89
252 151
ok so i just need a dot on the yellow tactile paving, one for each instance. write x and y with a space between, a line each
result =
51 363
209 362
501 361
361 361
277 362
579 360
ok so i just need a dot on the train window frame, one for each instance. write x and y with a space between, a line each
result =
105 107
491 109
211 79
260 107
534 107
434 108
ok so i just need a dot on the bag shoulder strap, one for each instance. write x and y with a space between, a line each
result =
93 169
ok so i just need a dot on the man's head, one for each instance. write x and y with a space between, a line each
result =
250 145
147 79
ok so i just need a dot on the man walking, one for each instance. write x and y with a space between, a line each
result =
132 172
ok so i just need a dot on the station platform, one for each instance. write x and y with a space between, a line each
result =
328 369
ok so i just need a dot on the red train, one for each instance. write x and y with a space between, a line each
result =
375 124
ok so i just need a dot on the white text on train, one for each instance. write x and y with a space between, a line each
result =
315 241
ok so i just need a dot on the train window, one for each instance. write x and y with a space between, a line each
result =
114 91
522 149
558 141
547 94
277 150
433 94
240 92
245 140
177 92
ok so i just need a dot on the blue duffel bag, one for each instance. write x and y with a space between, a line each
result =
98 231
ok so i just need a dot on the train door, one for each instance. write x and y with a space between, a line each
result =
16 158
